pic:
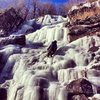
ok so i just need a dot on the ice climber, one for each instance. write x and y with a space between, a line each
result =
52 49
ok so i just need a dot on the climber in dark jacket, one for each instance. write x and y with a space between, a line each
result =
52 49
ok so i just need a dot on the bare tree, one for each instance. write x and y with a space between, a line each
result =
49 8
73 2
61 10
21 8
35 6
41 9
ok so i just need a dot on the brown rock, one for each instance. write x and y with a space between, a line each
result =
80 86
21 40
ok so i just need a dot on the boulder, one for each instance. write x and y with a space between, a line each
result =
19 40
85 25
80 86
70 64
14 39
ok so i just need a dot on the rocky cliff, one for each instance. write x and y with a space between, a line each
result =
9 21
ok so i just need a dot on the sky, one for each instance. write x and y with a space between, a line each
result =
59 1
55 1
4 3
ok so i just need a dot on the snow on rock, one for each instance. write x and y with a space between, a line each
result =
79 97
13 39
95 97
94 76
49 20
96 3
88 4
74 8
68 75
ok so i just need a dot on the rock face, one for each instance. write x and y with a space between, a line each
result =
9 21
88 23
86 27
3 94
86 9
14 39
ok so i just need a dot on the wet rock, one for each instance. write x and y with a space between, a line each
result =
70 64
